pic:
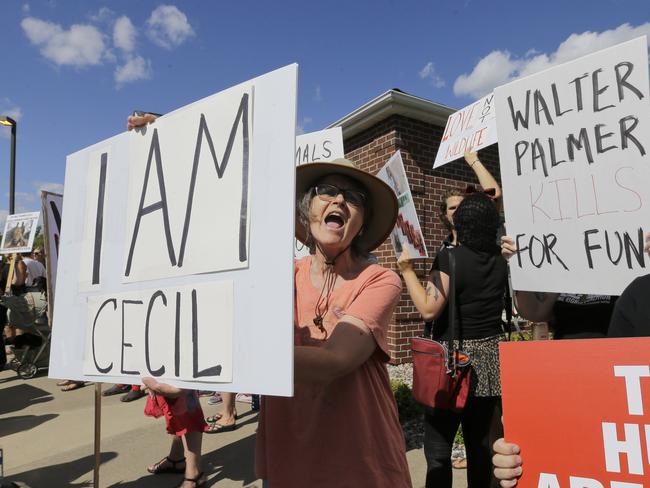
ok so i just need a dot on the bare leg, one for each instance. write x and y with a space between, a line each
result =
192 444
228 412
176 453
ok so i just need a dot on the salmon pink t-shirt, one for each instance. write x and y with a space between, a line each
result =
345 433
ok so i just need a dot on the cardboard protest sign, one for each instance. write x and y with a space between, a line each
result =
579 410
52 208
320 146
169 263
19 233
470 129
575 168
407 230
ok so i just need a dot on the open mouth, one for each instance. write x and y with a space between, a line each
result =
334 221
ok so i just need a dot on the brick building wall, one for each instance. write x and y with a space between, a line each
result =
418 141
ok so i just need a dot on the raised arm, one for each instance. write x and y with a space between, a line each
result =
485 178
429 301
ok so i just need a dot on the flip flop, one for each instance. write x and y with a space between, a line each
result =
459 463
73 386
217 416
63 382
199 481
216 427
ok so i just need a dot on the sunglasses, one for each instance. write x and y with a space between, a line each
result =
328 193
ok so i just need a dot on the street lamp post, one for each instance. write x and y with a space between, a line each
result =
8 121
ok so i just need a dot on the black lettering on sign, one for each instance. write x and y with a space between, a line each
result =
99 219
177 336
101 307
127 344
154 151
211 371
517 117
241 117
160 371
57 220
621 80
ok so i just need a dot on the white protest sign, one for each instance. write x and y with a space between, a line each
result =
323 145
573 149
52 207
19 233
167 243
319 146
470 129
407 230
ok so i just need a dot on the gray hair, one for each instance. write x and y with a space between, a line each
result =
303 205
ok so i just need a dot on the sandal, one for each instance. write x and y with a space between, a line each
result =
459 463
158 468
216 427
217 416
198 481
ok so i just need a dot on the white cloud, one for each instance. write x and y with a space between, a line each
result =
124 34
501 66
25 8
47 186
81 45
429 73
168 26
104 14
300 127
318 97
136 68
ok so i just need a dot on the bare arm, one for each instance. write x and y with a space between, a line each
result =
485 178
20 273
161 388
429 301
350 345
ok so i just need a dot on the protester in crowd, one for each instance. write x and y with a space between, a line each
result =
343 407
630 318
38 255
571 316
454 196
481 278
341 427
184 420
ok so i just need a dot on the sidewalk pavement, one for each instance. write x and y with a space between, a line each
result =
47 437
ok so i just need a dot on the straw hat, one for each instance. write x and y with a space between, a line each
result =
381 199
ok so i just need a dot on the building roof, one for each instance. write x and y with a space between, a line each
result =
392 102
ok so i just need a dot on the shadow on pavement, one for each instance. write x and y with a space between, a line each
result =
19 397
234 461
60 475
23 423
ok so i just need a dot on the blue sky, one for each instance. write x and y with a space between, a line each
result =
73 70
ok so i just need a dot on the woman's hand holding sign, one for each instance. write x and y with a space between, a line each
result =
507 463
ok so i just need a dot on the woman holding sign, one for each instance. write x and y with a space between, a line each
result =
481 278
341 427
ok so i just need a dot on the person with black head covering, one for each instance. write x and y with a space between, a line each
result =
481 278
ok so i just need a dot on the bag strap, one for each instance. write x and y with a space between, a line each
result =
453 356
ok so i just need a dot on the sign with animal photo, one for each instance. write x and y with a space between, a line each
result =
166 243
314 147
407 231
19 233
470 129
586 429
575 168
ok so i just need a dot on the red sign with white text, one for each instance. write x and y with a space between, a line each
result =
579 410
